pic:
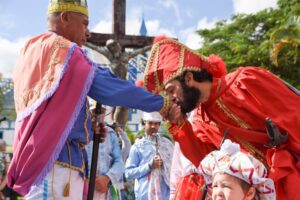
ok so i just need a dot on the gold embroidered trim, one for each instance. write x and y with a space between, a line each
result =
155 71
164 110
70 166
149 63
250 148
72 7
154 57
28 95
181 59
231 115
82 158
67 186
80 145
253 151
181 123
86 131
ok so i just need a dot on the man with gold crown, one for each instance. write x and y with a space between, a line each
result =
52 79
238 102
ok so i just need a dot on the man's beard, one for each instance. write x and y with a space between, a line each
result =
191 96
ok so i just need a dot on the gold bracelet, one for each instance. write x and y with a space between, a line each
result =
181 122
165 108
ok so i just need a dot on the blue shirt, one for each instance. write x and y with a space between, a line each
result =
109 90
138 167
110 161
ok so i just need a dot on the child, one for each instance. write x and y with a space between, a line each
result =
233 175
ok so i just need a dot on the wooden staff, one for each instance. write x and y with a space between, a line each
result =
96 141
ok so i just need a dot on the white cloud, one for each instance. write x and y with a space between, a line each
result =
134 20
103 26
252 6
194 41
191 38
9 51
205 24
133 24
153 28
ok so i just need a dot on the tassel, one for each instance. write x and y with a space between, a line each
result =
67 186
67 190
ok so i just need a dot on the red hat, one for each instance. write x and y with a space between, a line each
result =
169 59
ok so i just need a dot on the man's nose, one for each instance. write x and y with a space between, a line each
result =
172 97
88 33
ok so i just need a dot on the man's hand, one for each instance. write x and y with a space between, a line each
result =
157 162
175 115
101 184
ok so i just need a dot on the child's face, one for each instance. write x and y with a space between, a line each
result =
226 187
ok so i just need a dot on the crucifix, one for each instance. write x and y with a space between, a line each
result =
113 47
118 30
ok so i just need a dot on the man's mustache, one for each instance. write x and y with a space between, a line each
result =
152 130
177 101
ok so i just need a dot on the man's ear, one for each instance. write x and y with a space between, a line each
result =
64 17
189 79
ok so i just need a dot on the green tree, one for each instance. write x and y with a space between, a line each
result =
7 108
2 95
248 40
285 53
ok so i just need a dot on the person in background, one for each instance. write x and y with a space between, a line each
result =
149 161
123 137
126 189
4 163
110 168
52 79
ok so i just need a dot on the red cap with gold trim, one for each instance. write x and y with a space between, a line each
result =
169 59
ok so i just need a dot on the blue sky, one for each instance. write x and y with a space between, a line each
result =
20 20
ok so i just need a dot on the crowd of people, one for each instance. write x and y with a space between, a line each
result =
218 121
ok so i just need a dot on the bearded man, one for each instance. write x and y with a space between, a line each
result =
238 102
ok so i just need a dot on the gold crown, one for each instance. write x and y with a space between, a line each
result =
79 6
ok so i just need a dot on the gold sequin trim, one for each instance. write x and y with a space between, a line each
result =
80 145
164 110
154 57
231 115
59 42
155 71
149 63
81 169
87 111
250 148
